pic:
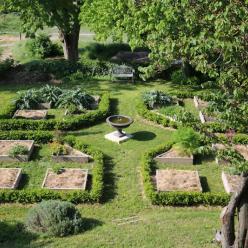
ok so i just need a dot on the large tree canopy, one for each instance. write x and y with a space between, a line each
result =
210 35
64 14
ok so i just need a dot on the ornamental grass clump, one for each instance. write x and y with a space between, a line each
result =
54 218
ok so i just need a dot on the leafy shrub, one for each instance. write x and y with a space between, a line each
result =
55 218
179 77
50 93
156 98
58 168
37 136
18 150
6 65
58 149
29 99
41 46
70 140
77 97
186 139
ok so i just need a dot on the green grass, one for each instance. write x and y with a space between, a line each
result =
123 194
172 110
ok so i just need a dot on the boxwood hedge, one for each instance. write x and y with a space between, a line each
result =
75 196
175 198
70 123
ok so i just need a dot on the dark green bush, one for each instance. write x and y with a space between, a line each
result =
240 139
55 218
37 136
6 65
174 198
41 46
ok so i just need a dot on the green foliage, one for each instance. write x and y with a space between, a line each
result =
18 150
55 218
29 99
75 196
70 123
58 168
42 47
187 139
70 140
179 77
58 149
156 98
50 94
6 66
104 51
37 136
230 155
77 97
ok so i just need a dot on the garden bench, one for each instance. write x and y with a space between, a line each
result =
122 72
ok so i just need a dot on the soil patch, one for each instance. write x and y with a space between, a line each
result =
9 178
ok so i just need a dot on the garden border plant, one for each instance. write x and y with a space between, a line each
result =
143 111
72 123
174 198
75 196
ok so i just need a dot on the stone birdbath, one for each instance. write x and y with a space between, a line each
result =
119 122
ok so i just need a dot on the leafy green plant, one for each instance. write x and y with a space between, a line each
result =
58 168
28 99
156 98
186 140
50 93
78 97
18 150
55 218
41 46
58 149
231 155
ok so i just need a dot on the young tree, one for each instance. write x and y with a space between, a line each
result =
64 14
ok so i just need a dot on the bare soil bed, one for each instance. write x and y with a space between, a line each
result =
7 145
243 150
9 178
230 182
67 179
31 114
72 156
178 180
174 157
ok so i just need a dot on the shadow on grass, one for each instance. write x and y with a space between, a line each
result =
90 223
24 181
144 136
204 184
15 235
109 191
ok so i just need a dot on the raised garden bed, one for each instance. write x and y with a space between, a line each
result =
178 180
31 114
230 182
10 178
174 157
7 145
72 156
200 104
243 150
65 180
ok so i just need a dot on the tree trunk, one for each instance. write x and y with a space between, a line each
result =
242 238
70 43
239 200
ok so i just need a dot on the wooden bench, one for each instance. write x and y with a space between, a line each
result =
122 72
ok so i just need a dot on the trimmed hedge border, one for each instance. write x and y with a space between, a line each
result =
144 112
37 136
71 123
175 198
76 196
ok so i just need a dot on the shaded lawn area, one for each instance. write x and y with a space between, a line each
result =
123 194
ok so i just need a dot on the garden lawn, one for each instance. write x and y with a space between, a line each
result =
123 194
